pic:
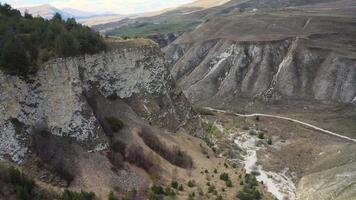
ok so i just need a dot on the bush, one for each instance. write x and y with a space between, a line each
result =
224 177
219 197
169 191
24 186
191 183
173 155
180 188
112 196
269 141
71 195
174 184
157 189
136 156
229 183
211 189
250 181
115 123
249 194
261 136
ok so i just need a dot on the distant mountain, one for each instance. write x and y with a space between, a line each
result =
47 11
77 13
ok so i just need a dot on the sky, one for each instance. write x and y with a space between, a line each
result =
116 6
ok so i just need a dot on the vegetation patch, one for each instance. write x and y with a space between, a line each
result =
249 190
24 186
71 195
27 41
115 123
172 154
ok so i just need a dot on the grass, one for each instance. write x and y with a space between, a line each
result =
148 28
115 123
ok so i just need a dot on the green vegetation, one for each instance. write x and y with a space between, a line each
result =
158 192
71 195
180 188
115 123
174 184
249 192
173 154
261 136
228 183
145 29
269 141
191 183
224 177
28 41
23 185
211 189
112 196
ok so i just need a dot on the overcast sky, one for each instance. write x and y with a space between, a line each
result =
117 6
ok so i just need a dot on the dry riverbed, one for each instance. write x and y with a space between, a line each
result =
279 152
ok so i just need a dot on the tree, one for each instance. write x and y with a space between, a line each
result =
57 17
13 57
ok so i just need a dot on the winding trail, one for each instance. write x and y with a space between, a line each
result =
284 118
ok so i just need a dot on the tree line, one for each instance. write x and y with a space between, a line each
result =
27 41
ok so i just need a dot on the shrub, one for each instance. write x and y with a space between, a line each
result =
261 136
71 195
211 189
219 197
173 155
224 176
228 183
191 183
249 194
269 141
136 156
24 186
180 188
115 123
174 184
251 181
169 191
215 171
191 196
112 196
157 189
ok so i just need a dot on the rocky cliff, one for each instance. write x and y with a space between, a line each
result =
266 70
268 56
57 96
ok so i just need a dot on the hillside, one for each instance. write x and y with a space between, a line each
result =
294 57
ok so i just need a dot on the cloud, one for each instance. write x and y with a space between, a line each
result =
118 6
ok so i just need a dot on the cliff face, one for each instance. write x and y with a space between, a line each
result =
276 55
286 69
56 97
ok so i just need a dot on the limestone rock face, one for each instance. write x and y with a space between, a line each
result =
55 96
267 70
